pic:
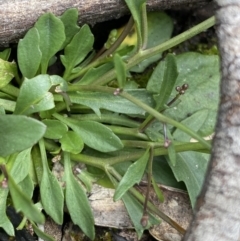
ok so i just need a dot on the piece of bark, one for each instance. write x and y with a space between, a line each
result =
217 215
17 16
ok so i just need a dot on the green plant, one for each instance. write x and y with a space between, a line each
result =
80 117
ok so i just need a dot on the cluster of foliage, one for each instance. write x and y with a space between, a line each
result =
95 114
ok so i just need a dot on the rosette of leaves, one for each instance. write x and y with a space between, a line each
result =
116 132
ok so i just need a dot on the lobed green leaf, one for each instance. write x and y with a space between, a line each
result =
52 36
29 55
23 203
132 176
77 201
52 197
69 19
34 96
77 50
191 166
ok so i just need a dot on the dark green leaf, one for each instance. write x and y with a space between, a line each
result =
23 203
160 27
4 221
29 54
34 96
119 67
72 142
132 176
191 166
52 37
77 201
7 72
98 100
165 73
77 50
195 122
94 134
18 133
5 54
69 19
201 73
55 129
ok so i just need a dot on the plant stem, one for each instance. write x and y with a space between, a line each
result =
128 132
142 144
149 177
165 119
120 39
144 27
150 206
89 160
150 119
145 54
147 108
132 156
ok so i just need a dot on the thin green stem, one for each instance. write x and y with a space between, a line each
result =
128 132
91 88
145 54
165 119
152 208
103 162
149 177
150 119
142 144
89 160
120 39
144 27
